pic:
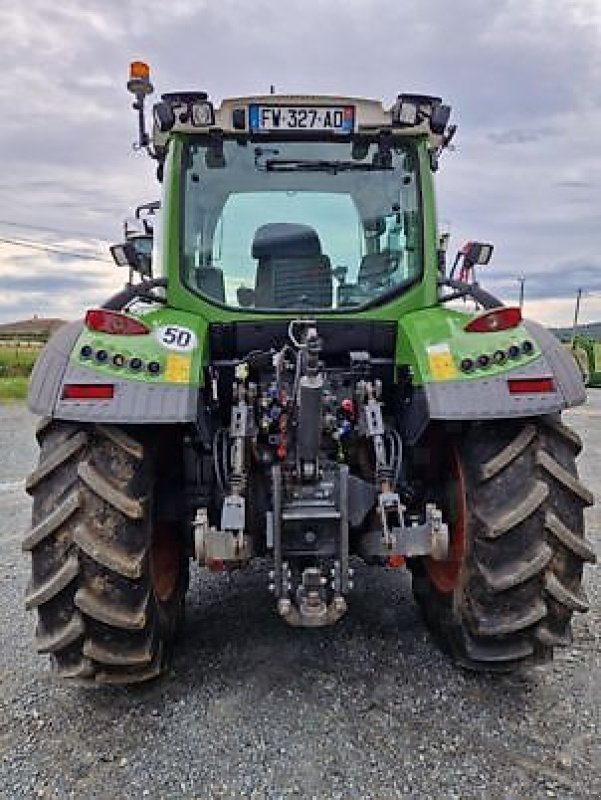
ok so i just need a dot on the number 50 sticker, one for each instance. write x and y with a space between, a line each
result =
174 337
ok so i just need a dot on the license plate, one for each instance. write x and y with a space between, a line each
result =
339 119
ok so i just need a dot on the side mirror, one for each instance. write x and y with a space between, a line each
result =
476 253
136 254
472 254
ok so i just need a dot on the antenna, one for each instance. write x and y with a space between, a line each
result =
576 313
521 281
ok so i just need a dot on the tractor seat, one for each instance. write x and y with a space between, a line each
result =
209 280
376 269
292 272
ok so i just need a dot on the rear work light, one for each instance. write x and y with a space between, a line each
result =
497 319
531 385
88 391
100 319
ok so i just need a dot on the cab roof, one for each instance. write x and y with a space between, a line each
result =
410 115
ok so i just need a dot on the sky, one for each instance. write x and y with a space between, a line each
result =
523 78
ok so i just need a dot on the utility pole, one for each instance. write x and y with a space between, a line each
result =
576 313
522 281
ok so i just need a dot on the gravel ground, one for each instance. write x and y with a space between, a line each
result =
252 709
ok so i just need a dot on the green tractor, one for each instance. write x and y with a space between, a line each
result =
587 352
295 378
584 345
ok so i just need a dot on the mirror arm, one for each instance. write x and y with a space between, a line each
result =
454 267
485 299
142 291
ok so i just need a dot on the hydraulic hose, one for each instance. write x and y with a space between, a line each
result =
140 290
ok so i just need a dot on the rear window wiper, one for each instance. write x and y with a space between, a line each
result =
302 165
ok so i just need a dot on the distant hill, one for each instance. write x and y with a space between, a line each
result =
592 329
37 326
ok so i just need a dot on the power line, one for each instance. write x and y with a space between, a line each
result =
50 249
47 229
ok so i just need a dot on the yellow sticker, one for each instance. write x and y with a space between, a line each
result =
442 366
178 369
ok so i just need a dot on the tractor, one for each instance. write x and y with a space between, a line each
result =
587 352
293 375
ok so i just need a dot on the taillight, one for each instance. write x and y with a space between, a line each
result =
531 385
497 319
88 391
101 319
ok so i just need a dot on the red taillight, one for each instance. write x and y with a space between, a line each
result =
88 391
498 319
100 319
530 385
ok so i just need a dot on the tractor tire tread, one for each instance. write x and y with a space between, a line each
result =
509 453
123 440
569 436
562 476
512 574
520 580
112 495
506 624
91 583
579 547
571 599
53 521
497 525
56 459
110 612
41 592
62 636
103 653
114 558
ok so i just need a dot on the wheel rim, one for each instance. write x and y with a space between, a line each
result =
445 574
165 560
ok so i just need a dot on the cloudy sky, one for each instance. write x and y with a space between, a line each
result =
523 77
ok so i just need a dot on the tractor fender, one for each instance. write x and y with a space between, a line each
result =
47 376
490 398
564 367
133 402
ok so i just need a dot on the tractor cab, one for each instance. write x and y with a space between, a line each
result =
296 203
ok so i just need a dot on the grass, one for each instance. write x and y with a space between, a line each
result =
16 362
17 359
13 390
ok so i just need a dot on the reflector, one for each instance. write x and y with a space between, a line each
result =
100 319
531 385
497 319
88 391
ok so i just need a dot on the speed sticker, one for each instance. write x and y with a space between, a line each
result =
442 366
174 337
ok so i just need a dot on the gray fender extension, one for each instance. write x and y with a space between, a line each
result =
489 398
134 402
47 376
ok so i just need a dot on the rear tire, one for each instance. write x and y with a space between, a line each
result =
108 577
515 505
